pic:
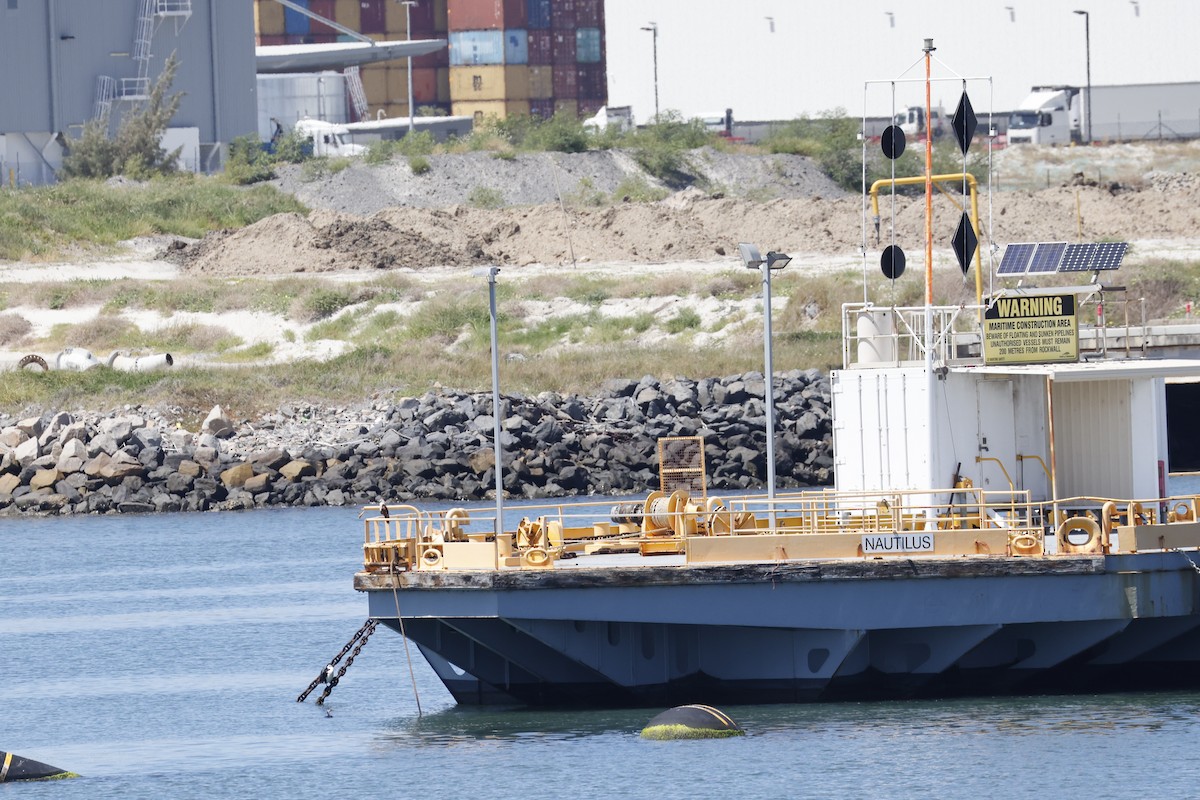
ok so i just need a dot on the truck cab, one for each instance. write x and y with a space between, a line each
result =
328 138
912 121
1050 115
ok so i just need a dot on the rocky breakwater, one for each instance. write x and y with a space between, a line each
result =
437 446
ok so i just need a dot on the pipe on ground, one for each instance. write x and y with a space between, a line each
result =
124 363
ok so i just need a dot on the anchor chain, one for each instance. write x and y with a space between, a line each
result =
1191 563
356 642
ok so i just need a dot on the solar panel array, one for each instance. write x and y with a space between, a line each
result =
1044 258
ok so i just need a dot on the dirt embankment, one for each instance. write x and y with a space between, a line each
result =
689 226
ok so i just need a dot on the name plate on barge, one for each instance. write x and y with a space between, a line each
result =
1031 330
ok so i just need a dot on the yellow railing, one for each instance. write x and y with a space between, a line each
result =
795 525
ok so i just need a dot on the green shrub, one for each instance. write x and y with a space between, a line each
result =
485 197
322 303
379 152
137 149
417 143
685 319
418 164
636 189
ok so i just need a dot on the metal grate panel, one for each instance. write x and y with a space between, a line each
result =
681 465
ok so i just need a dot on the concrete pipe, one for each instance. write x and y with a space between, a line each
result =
75 359
124 363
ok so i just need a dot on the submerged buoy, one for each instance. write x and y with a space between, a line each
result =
16 768
691 722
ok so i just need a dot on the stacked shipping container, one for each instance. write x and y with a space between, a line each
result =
504 57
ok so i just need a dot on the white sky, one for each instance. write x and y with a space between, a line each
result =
714 54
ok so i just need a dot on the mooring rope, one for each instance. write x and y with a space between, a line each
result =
407 655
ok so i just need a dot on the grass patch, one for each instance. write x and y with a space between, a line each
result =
41 223
255 352
13 328
419 165
685 320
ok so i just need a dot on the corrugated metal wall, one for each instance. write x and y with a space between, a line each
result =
58 48
1093 450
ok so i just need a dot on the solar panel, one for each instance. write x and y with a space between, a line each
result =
1016 259
1046 258
1108 255
1077 258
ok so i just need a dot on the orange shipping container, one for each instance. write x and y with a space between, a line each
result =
348 13
541 83
270 18
476 15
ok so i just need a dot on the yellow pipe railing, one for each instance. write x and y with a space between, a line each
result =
937 181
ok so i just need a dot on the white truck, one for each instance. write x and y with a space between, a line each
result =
328 138
912 121
1133 112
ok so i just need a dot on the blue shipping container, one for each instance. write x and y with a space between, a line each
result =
516 46
474 48
295 23
587 46
537 12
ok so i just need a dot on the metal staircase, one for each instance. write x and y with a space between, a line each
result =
358 95
150 14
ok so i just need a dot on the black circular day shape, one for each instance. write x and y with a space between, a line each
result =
892 262
892 142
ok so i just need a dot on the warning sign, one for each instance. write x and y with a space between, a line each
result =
1031 330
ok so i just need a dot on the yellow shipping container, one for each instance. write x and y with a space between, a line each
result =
346 12
397 110
541 83
270 18
489 83
394 21
374 78
482 109
566 107
397 83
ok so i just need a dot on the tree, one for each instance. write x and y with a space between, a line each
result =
137 149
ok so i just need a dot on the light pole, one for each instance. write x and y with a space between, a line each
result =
1087 44
653 28
754 260
497 449
408 4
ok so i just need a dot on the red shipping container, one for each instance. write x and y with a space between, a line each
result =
325 8
541 108
541 47
372 16
562 45
562 15
475 15
438 58
272 39
565 86
424 86
589 13
514 13
592 82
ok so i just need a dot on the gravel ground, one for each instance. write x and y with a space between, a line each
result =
541 178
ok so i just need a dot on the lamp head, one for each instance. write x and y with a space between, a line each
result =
751 258
778 260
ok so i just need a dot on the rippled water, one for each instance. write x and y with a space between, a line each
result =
160 656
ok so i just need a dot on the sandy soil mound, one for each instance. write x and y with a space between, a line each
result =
688 226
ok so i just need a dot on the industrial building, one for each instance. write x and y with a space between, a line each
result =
70 61
505 57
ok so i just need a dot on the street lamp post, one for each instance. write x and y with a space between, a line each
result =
408 4
1087 44
754 260
497 448
653 28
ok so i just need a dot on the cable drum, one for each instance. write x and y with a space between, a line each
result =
627 514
